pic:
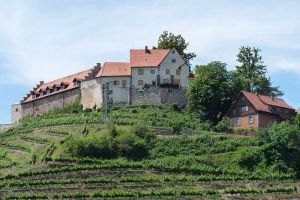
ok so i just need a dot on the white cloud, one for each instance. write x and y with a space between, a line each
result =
45 41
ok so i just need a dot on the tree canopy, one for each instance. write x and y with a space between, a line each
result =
169 40
210 93
251 73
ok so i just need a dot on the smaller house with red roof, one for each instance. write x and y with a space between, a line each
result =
252 110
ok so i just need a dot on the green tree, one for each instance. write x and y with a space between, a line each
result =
168 41
210 93
251 73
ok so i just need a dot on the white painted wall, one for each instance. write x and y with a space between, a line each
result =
120 94
147 77
168 64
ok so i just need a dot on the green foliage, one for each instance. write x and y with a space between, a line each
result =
223 126
210 93
108 144
250 157
200 145
168 41
281 143
252 72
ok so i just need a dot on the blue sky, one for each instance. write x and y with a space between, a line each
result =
44 40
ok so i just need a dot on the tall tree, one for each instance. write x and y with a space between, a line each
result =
210 93
168 40
251 73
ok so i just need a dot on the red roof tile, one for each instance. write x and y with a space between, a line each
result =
153 57
262 102
68 81
114 69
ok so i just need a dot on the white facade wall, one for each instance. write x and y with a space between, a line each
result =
185 72
173 66
119 94
147 77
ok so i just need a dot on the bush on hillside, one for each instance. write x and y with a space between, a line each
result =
108 144
279 149
144 131
223 126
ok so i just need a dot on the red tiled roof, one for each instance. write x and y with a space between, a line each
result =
262 102
153 57
68 81
114 69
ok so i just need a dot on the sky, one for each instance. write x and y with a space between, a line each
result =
46 40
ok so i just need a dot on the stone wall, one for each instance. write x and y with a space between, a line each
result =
4 127
91 94
155 95
16 113
60 100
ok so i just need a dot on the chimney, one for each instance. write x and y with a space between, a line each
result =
146 49
256 93
273 97
42 82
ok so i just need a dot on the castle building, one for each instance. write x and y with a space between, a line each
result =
155 76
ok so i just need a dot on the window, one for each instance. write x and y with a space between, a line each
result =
152 71
63 86
17 109
173 51
76 83
140 82
167 71
124 83
116 82
153 83
177 81
166 81
245 109
173 60
140 72
51 90
238 121
177 71
250 119
243 99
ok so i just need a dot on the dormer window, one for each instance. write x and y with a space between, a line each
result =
48 91
51 90
64 86
76 83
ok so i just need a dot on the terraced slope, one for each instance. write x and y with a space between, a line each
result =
199 166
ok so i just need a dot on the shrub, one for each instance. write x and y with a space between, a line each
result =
223 126
143 131
177 125
250 157
108 144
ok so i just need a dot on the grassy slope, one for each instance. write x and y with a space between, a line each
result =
184 167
